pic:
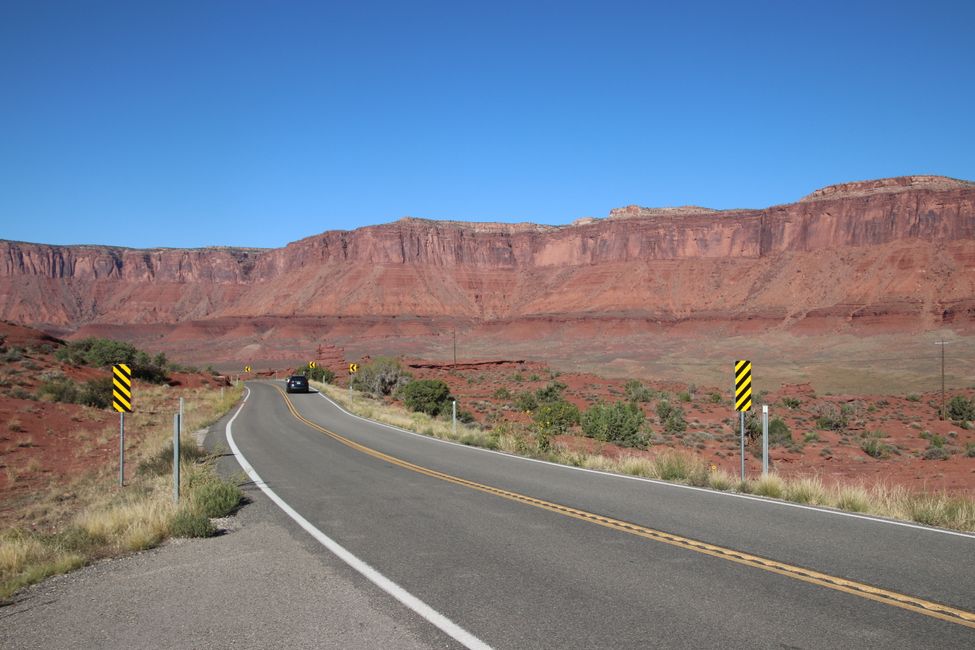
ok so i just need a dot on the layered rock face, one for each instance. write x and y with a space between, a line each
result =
901 248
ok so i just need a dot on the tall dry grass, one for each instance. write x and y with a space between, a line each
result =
956 512
106 520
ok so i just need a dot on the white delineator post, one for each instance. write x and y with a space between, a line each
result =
176 427
454 417
764 439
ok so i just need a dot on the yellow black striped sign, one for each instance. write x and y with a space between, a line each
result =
122 388
743 385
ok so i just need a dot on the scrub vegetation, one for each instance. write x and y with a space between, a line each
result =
102 519
535 440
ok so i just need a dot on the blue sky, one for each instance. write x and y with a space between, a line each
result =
259 123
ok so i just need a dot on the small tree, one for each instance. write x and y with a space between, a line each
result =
380 377
557 417
428 396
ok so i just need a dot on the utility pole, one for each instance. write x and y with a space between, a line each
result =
455 346
943 343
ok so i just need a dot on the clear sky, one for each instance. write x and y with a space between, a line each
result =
259 123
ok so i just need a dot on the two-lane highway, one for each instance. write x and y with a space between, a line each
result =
526 554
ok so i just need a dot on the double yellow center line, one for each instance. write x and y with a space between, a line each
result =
885 596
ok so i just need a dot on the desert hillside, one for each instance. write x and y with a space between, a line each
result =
891 255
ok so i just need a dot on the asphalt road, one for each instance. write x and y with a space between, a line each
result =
573 559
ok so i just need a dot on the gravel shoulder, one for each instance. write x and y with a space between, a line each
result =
263 583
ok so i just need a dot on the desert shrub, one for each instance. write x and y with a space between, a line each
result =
428 396
961 408
791 402
637 392
189 522
875 448
829 417
323 375
936 453
715 398
526 401
913 397
380 377
96 393
671 417
557 417
217 497
60 389
664 409
552 392
684 396
810 436
465 416
619 423
779 433
502 393
101 353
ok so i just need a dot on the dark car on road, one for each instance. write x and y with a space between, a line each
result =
298 384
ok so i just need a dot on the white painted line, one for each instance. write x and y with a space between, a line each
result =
443 623
681 486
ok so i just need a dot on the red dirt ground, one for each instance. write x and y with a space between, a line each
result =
44 444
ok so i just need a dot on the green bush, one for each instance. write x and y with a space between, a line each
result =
217 498
502 393
875 448
59 389
189 522
557 417
829 417
323 375
96 393
791 402
102 353
430 396
637 392
551 393
618 423
526 401
671 417
961 408
380 377
779 433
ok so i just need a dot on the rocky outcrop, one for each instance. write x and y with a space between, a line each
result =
903 247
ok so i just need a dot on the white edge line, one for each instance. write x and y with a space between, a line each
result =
434 617
734 495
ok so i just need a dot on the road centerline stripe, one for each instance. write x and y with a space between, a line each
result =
903 601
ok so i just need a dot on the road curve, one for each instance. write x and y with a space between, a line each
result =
526 554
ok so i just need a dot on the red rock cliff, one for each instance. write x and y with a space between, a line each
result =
901 245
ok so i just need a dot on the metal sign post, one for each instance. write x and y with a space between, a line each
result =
121 448
743 400
742 436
